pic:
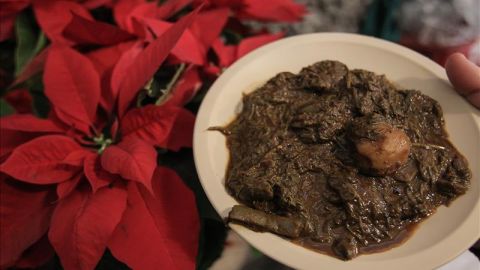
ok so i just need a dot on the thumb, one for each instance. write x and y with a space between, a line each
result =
465 77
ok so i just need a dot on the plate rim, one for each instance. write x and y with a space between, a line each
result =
388 46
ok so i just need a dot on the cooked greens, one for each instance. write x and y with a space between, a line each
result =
340 160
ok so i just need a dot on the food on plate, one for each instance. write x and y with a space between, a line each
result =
339 160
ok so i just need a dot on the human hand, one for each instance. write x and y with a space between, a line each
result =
465 77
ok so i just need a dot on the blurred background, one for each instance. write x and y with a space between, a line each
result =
432 27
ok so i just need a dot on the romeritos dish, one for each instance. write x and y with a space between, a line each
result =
437 240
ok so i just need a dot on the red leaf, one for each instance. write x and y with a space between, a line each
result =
152 233
92 4
188 48
154 11
10 139
122 9
10 7
114 129
139 29
76 157
122 67
227 54
73 124
83 31
211 71
273 10
20 99
104 60
141 11
151 123
181 134
107 101
220 3
39 161
53 17
209 24
72 129
71 84
149 60
25 212
95 174
249 44
7 23
170 7
133 160
66 188
8 14
34 66
186 87
29 123
83 223
36 255
169 189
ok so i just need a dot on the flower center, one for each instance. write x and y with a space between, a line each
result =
102 142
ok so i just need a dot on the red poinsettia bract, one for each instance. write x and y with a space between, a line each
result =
96 190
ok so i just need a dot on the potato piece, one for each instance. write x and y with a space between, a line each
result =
384 150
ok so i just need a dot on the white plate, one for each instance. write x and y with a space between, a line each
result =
440 238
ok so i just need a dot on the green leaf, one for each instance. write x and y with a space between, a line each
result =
5 108
7 62
29 42
41 43
41 104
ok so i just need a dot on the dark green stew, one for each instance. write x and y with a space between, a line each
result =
339 160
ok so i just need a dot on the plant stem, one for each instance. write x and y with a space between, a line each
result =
171 84
428 146
104 145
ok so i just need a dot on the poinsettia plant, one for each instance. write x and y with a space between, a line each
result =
93 95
